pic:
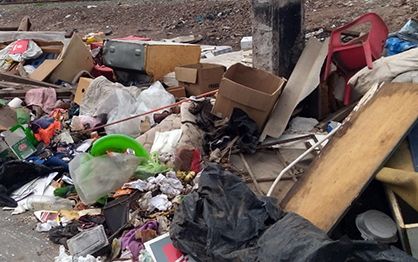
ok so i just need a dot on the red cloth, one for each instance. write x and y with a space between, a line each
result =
196 161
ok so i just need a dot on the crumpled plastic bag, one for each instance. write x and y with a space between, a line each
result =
32 51
169 184
124 105
150 169
63 257
94 177
166 142
159 202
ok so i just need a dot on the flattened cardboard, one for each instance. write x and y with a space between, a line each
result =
200 78
45 69
75 58
304 80
82 86
253 90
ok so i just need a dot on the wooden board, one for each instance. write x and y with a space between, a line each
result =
45 69
354 155
25 80
21 93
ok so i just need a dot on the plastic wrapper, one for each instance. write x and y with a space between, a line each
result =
32 51
225 221
150 169
121 105
94 177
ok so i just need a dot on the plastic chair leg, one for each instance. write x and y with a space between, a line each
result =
368 54
347 93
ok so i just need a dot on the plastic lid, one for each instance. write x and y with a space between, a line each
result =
375 225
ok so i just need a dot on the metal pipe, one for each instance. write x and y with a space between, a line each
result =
298 159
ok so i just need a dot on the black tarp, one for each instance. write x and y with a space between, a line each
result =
225 221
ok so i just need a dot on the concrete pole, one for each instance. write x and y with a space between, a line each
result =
278 34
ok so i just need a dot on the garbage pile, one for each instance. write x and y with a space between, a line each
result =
137 150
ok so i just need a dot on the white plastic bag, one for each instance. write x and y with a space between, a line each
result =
123 105
166 142
94 177
155 97
32 51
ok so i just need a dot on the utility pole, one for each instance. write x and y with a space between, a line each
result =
278 34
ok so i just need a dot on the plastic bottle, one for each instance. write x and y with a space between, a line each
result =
50 203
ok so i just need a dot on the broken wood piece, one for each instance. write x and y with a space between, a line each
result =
228 148
337 116
21 93
250 172
352 158
25 80
283 162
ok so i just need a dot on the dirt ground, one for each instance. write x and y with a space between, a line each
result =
222 22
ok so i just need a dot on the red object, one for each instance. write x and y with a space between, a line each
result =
352 56
103 71
133 37
19 47
95 45
172 254
196 161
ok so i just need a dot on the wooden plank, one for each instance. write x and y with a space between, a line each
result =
45 69
10 94
354 155
24 80
400 225
336 116
250 172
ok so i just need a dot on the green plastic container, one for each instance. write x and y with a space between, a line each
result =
118 143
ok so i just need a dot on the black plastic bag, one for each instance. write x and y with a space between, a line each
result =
223 216
225 221
240 125
295 239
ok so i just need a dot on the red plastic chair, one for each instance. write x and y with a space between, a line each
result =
352 56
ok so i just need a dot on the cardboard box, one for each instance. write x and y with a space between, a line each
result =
200 78
82 86
177 92
247 43
76 57
19 144
253 90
